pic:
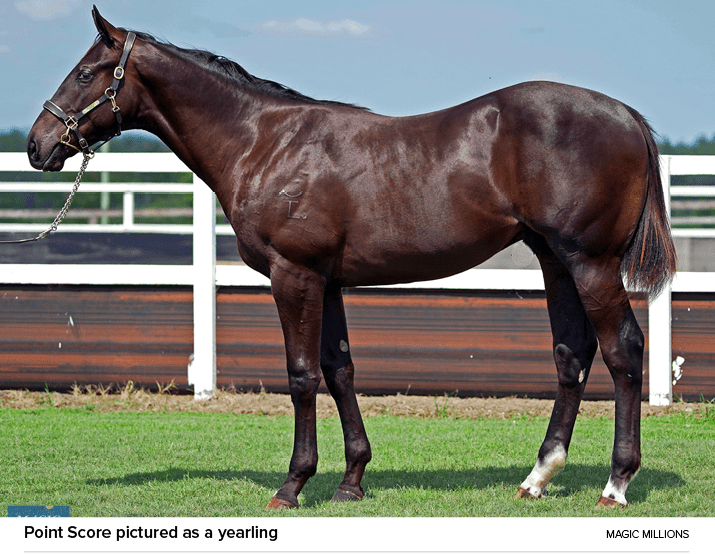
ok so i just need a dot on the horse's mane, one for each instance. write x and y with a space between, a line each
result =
234 72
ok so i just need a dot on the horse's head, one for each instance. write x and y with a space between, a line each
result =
85 109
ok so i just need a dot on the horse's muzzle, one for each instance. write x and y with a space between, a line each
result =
54 161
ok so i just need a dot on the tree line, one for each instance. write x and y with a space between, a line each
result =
15 140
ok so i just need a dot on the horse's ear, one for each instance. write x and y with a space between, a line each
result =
107 31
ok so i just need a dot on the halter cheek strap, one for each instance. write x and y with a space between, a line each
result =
72 122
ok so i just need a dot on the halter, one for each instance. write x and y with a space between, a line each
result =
72 121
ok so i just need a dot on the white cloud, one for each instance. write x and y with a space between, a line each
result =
46 10
310 27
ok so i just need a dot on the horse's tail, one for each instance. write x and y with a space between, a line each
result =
649 262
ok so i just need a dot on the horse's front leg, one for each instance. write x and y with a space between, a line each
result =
298 294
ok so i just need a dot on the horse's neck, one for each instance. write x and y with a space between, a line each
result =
200 117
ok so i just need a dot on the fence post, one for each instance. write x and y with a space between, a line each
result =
202 368
128 210
660 354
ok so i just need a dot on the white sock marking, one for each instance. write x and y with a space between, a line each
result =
615 492
543 471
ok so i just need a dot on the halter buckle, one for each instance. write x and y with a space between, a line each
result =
111 97
119 72
65 139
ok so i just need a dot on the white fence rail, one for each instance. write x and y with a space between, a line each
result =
204 275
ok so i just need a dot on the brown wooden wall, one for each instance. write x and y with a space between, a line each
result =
471 343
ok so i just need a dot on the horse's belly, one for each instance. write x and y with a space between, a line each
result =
418 262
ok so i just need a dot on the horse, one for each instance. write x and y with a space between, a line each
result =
324 195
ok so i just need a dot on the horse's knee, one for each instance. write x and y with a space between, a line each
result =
303 382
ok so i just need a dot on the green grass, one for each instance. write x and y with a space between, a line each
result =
198 464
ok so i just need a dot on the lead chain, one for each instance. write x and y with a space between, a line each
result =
63 212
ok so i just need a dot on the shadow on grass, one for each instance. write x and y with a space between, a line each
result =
574 478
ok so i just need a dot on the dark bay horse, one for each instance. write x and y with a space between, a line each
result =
324 195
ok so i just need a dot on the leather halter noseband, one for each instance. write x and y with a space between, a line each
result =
72 122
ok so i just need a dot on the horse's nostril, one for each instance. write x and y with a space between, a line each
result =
32 149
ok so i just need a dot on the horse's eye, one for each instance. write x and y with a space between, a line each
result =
85 75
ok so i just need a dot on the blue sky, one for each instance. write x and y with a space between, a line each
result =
397 57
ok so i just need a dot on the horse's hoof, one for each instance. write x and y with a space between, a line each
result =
342 495
608 503
523 493
280 504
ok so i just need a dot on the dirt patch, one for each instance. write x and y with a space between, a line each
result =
130 399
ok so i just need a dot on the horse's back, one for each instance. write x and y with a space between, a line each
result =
387 200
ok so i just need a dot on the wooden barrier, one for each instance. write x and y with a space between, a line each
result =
466 343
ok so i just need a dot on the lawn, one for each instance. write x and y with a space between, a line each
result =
220 464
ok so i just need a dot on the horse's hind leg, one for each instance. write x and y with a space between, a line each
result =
574 348
338 371
604 297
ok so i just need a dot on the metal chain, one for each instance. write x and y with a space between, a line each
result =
63 212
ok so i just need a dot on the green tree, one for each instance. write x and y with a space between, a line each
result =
13 141
701 146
